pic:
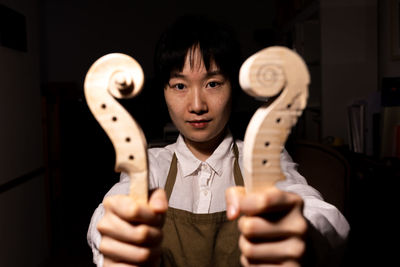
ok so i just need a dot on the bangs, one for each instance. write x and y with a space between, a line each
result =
188 34
196 60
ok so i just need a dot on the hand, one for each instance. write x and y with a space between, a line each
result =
131 233
273 226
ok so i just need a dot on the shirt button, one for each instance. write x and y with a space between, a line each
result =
205 192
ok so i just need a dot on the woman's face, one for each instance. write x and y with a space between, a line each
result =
198 101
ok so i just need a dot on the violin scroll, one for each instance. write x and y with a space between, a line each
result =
120 76
279 74
261 78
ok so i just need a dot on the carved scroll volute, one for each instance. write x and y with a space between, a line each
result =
277 73
118 75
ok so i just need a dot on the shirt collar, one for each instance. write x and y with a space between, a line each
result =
220 154
189 163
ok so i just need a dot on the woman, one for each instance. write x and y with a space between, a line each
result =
191 218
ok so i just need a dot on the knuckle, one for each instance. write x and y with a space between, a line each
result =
106 224
102 225
107 202
247 226
298 226
142 233
296 248
264 200
143 254
302 226
246 247
104 245
132 211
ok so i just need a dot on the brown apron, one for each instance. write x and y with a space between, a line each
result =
195 240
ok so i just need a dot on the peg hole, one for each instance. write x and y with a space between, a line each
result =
278 120
264 161
289 106
128 139
131 157
114 118
267 144
103 106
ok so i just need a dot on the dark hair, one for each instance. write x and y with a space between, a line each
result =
216 41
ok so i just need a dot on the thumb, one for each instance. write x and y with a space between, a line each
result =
158 201
233 195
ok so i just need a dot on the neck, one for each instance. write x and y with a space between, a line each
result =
203 150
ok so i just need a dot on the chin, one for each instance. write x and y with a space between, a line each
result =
203 136
199 137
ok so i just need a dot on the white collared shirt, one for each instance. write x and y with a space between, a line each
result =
200 188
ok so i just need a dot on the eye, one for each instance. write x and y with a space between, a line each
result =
213 84
178 86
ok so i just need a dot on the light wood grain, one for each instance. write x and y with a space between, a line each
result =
118 75
280 73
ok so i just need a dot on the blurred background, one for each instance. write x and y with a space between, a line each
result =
56 163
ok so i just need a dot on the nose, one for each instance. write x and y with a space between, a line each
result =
198 103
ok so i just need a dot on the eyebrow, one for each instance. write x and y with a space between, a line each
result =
209 74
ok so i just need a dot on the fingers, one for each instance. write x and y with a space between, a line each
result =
274 214
114 227
233 196
258 227
123 252
127 209
272 229
286 250
131 232
270 200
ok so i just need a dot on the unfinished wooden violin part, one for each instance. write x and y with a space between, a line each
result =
120 76
278 74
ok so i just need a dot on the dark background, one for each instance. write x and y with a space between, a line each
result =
57 163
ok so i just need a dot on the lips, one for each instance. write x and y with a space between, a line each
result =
199 124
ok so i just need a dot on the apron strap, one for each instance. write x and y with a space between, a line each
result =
236 168
173 170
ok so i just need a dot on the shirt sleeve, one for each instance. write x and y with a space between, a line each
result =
327 220
323 217
93 235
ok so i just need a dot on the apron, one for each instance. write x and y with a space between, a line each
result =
196 240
